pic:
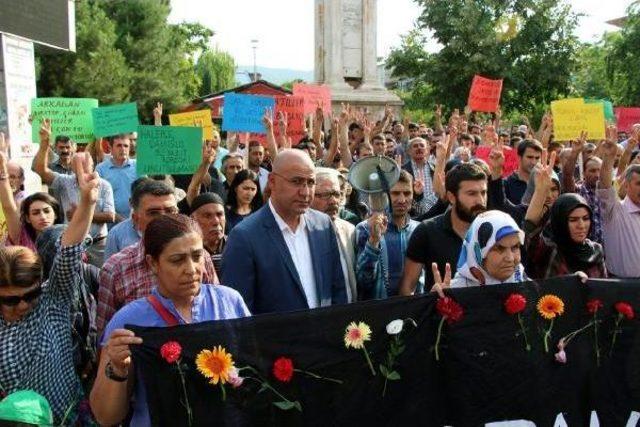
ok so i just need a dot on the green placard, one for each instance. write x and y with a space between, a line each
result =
168 150
115 119
69 116
608 108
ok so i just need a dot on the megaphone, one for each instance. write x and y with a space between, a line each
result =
374 176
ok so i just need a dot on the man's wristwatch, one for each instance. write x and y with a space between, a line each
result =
108 371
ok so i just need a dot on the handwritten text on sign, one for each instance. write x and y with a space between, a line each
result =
293 108
69 116
572 116
484 95
115 119
313 95
201 118
244 113
168 150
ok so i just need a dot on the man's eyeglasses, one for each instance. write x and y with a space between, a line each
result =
326 196
28 297
298 181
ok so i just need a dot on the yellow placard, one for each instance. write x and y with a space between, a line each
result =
200 118
572 116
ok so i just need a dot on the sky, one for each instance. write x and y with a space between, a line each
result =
285 28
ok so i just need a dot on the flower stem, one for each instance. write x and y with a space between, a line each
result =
384 389
316 376
615 334
186 397
547 335
595 336
224 392
573 334
267 385
438 339
524 333
366 354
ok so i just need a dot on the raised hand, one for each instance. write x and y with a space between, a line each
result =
88 181
577 146
3 143
543 179
439 284
610 145
157 112
283 122
496 159
45 131
267 119
208 153
438 111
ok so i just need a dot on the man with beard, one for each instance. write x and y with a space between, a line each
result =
256 157
420 168
285 256
439 239
381 244
327 199
208 211
529 154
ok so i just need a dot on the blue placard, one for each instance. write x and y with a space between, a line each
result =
243 113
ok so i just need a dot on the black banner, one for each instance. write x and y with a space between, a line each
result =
485 374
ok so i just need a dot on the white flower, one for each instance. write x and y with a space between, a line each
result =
395 327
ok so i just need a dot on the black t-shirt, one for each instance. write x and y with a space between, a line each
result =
435 241
514 188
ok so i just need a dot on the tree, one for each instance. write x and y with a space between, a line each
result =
97 70
217 71
623 61
126 50
528 43
590 79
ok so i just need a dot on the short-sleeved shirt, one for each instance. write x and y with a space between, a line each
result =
120 236
435 241
213 302
120 178
68 193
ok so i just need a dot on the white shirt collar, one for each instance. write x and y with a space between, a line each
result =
282 224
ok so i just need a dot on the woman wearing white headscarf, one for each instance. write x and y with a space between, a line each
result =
490 254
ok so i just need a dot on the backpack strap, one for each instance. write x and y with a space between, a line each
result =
166 315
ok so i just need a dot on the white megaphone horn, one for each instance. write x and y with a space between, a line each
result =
375 175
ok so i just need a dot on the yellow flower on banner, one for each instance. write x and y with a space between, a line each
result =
215 364
356 334
550 306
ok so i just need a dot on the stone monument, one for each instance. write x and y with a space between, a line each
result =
345 54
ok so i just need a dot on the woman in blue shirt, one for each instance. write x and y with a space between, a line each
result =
174 251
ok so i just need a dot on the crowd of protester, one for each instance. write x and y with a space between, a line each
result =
264 228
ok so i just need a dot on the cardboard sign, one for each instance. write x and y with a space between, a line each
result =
609 114
313 94
293 108
510 158
484 95
243 113
168 150
115 119
627 117
572 116
69 116
201 118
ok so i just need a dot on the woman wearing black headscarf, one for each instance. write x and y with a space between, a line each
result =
565 248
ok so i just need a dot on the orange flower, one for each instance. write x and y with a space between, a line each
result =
550 306
215 364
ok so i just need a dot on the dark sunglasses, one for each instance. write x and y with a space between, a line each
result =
28 297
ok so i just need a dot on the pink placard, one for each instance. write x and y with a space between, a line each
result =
510 158
313 94
484 95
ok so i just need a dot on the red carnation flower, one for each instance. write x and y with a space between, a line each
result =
283 369
171 351
593 305
449 309
625 309
515 303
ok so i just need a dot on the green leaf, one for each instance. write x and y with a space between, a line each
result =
383 370
286 405
393 376
297 405
401 349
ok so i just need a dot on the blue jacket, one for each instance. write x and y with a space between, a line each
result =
257 263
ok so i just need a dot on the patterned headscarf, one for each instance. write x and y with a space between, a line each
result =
485 231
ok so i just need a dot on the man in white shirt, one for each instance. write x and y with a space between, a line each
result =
285 256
